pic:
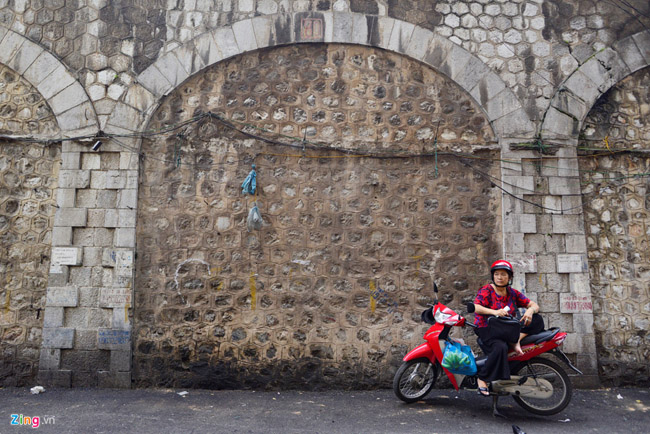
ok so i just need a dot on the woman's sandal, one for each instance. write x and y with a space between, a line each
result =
484 391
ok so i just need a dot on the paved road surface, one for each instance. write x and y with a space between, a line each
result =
201 411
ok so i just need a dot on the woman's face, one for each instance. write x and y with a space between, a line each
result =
501 277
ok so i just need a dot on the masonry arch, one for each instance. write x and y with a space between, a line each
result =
576 96
614 141
74 112
501 106
356 224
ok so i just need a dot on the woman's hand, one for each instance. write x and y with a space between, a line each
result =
527 317
501 312
531 309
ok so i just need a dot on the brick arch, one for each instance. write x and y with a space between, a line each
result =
576 96
73 110
498 102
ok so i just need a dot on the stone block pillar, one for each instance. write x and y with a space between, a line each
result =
544 238
87 326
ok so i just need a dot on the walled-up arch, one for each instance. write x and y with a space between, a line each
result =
323 293
501 106
576 96
614 142
73 110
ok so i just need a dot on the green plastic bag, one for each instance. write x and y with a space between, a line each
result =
458 359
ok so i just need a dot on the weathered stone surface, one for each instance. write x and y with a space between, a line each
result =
50 359
58 337
287 295
74 178
112 379
55 378
512 57
42 67
155 81
121 361
53 317
75 217
616 221
27 181
23 110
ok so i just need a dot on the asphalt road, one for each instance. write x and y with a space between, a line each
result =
158 411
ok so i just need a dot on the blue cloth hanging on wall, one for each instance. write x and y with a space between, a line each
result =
250 183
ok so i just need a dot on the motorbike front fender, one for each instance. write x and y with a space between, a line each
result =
420 351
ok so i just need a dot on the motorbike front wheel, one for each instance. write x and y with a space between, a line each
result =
414 379
553 373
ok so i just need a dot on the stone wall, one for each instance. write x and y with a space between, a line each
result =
326 292
513 77
28 178
617 223
533 45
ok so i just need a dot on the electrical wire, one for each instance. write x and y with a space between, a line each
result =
348 153
489 178
636 17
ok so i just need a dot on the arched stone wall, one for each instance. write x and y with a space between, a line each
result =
28 179
580 91
325 293
74 112
33 299
613 146
501 106
97 203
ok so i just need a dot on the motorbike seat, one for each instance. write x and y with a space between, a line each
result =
544 336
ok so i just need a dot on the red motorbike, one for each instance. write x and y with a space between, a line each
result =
537 384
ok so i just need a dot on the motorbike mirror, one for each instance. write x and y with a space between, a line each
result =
435 287
470 307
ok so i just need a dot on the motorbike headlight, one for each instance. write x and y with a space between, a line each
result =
441 317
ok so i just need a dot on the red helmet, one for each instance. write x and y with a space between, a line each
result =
501 265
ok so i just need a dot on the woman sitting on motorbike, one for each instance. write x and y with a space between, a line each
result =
492 299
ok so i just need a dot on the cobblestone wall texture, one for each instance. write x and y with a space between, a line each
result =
22 109
292 304
28 177
106 66
532 44
617 223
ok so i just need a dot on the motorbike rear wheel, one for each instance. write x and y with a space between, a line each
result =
414 379
555 374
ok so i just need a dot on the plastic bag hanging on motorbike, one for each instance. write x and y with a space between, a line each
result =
250 183
458 359
254 220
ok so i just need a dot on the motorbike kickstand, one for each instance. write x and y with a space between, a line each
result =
495 410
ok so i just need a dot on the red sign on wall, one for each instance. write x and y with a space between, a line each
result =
311 28
575 304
